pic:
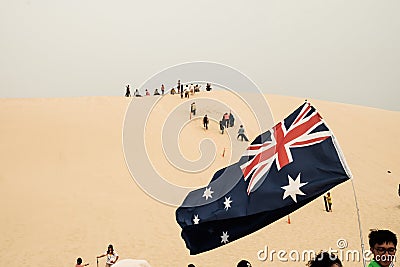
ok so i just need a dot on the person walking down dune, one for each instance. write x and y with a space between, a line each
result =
205 122
222 126
231 120
193 108
241 134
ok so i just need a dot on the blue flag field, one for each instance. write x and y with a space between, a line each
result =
282 170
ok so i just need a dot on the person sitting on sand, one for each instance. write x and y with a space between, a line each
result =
383 245
112 256
79 263
137 94
325 259
156 92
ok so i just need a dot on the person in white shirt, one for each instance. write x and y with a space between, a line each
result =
112 256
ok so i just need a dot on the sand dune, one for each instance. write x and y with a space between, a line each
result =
67 192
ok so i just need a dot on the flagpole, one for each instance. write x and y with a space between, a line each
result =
359 223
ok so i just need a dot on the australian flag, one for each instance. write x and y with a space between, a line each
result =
282 170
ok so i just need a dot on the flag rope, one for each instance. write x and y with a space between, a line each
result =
359 223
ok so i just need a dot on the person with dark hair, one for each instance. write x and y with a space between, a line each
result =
325 259
205 122
243 263
231 120
208 87
128 91
179 86
226 119
162 89
156 92
241 134
191 265
221 126
79 263
186 91
181 90
193 108
137 94
382 244
112 256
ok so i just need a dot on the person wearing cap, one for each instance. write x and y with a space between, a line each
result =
112 256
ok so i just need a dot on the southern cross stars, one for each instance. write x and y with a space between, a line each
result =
207 193
227 203
196 219
224 237
293 188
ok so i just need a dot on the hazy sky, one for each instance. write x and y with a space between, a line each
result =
337 50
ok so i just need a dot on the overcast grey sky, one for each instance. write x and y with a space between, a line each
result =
337 50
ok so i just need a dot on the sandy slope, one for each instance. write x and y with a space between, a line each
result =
67 192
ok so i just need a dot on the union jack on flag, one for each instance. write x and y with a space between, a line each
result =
299 133
282 170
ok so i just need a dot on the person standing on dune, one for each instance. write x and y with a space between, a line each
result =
112 256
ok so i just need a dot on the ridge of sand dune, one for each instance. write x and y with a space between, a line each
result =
67 192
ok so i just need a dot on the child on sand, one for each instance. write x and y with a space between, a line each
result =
79 263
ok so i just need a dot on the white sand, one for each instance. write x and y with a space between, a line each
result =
67 192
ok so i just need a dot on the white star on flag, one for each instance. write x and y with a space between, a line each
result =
293 188
207 193
224 237
227 203
196 219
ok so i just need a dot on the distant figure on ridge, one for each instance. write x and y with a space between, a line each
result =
205 122
147 92
162 89
241 134
208 87
179 86
128 91
156 92
186 92
137 94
